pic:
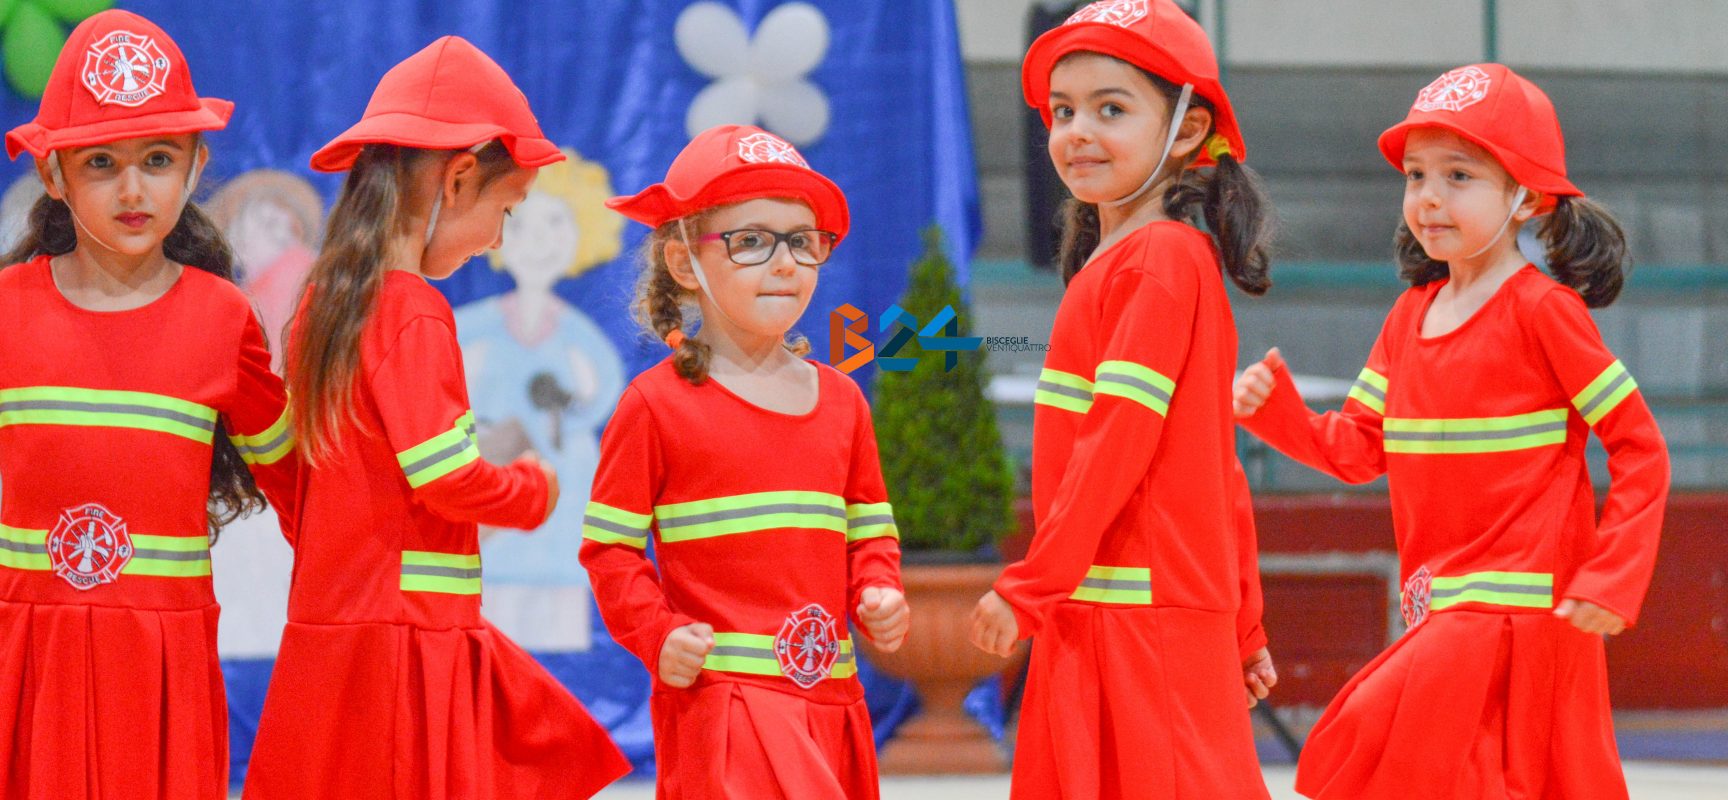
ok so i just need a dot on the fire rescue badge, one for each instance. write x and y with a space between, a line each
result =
125 69
1455 91
89 546
808 645
1121 13
1416 595
766 148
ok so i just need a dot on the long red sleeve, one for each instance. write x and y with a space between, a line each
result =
423 402
1616 573
872 538
1344 444
1250 636
1149 326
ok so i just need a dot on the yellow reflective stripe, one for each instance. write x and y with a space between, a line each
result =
610 525
66 405
1521 589
158 556
747 513
1370 390
1605 393
753 654
268 446
23 549
1063 390
445 573
1483 435
442 454
1132 381
870 521
1120 585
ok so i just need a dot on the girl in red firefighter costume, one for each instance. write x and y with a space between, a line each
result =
1141 586
1476 401
135 396
389 684
754 473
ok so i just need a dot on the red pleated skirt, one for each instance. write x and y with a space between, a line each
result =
1471 705
1136 703
102 703
722 740
394 711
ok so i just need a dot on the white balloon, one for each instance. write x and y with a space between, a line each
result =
789 42
728 101
798 111
712 40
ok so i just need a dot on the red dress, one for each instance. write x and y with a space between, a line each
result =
109 684
768 527
389 684
1481 432
1141 587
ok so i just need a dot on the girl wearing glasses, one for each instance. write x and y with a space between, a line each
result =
754 472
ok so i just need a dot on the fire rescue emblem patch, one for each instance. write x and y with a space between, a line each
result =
89 546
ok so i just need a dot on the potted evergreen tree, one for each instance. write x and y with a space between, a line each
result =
949 478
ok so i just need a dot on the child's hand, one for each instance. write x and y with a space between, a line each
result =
682 655
551 484
1255 385
994 629
886 617
1259 676
1589 617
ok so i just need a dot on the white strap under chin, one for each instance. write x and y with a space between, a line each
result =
701 279
60 186
438 199
1517 200
1169 142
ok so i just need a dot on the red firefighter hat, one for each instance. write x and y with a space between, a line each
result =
1496 108
731 164
118 77
1154 35
448 96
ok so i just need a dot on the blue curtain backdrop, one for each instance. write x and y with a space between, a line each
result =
608 80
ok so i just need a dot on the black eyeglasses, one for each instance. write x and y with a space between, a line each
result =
749 247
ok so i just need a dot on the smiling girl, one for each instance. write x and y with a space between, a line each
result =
1141 586
1477 401
754 473
138 415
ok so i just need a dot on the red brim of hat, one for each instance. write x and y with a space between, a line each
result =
1110 40
1527 173
657 205
409 130
211 115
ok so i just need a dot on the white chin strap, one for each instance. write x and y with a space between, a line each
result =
60 186
701 279
1169 142
438 200
1517 200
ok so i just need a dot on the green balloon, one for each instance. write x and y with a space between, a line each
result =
72 11
30 44
6 9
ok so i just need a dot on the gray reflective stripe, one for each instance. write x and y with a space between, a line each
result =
754 511
22 547
1438 593
173 555
1125 380
441 572
1607 392
1067 391
1474 436
1370 389
1105 583
108 408
438 456
262 449
608 525
742 651
879 519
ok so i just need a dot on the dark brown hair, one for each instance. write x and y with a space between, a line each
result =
1229 198
342 287
662 306
195 242
1585 246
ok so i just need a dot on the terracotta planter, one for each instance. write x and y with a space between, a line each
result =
941 663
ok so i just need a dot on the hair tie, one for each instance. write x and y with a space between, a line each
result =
675 339
1217 147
